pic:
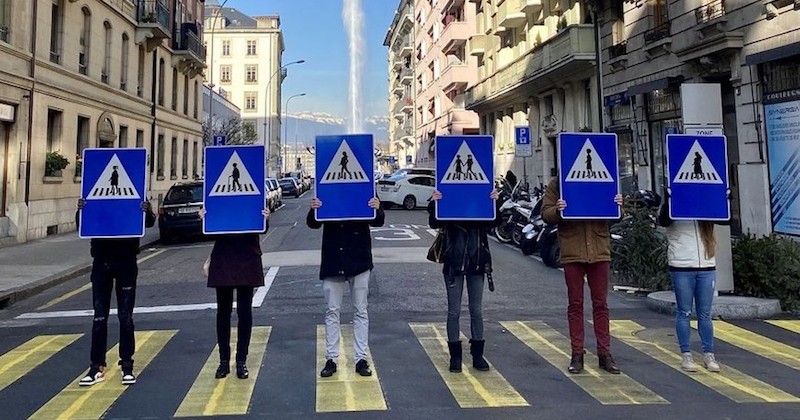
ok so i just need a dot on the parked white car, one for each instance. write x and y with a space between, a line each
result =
408 191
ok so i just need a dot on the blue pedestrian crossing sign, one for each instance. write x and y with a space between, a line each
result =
697 176
345 180
465 177
589 175
113 188
522 136
234 189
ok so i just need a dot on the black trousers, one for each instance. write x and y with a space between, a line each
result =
104 273
244 311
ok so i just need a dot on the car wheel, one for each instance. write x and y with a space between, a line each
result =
410 202
164 236
297 194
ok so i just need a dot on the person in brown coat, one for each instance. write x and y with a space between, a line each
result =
585 252
235 264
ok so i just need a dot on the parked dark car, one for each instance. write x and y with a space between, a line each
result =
178 214
290 187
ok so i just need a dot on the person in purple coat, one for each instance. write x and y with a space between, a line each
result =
235 265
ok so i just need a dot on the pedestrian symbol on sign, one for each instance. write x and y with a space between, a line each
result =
697 168
341 170
464 169
113 183
588 166
234 180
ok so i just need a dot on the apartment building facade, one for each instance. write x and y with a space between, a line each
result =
752 50
93 73
245 67
400 43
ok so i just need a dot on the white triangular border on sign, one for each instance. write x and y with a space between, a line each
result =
355 172
579 172
102 190
224 186
687 174
474 176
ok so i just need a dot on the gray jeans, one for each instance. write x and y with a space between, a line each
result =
334 292
455 289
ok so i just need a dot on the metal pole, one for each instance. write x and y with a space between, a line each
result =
598 56
268 103
286 128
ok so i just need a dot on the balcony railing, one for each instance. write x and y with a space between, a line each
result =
154 12
190 41
659 32
618 50
713 10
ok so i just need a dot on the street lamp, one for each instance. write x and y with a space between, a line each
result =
211 70
268 103
285 127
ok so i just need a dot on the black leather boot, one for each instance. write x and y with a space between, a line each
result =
241 370
607 364
455 355
223 369
576 363
476 350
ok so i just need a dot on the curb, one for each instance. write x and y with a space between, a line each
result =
12 296
725 307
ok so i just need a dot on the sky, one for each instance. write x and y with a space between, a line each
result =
314 31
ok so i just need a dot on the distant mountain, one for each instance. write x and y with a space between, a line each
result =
308 125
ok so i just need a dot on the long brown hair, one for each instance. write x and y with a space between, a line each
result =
708 238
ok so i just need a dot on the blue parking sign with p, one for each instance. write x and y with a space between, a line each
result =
220 140
345 179
113 189
465 177
589 175
234 189
697 176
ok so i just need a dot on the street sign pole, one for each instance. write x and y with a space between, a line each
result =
523 149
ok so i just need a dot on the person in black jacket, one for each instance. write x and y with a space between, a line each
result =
346 258
466 259
113 259
235 265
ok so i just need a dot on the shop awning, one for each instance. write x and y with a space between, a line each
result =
773 54
648 87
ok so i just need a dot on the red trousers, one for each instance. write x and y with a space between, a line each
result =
597 277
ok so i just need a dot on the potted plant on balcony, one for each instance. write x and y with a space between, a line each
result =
562 24
55 162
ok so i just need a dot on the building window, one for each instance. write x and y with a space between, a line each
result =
196 102
251 74
139 138
161 80
54 120
618 25
186 95
84 42
173 159
225 74
251 47
105 75
226 48
123 75
174 89
185 158
82 140
160 169
140 73
250 101
5 19
194 160
56 30
123 136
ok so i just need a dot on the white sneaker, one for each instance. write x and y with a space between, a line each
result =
710 362
687 362
94 376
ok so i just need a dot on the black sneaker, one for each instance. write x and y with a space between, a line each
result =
241 371
329 369
362 368
94 376
223 369
128 378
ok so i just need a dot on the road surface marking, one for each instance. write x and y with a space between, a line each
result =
209 396
346 390
791 325
92 402
758 344
731 383
24 358
88 286
470 388
261 293
606 388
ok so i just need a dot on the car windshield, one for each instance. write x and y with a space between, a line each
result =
181 194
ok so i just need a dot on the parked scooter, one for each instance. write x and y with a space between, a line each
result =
514 212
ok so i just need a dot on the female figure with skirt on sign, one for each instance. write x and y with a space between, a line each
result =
692 269
466 259
235 265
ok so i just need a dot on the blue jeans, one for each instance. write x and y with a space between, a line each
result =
455 290
697 286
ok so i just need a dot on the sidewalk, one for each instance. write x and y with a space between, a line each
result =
29 268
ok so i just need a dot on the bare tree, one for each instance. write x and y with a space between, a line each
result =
234 129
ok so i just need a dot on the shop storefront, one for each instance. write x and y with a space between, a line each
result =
620 108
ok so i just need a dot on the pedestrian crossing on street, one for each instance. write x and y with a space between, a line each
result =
346 391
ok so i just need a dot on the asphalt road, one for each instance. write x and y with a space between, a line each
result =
45 341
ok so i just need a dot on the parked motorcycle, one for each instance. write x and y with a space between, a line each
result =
514 212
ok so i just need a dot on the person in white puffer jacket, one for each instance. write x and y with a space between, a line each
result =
692 269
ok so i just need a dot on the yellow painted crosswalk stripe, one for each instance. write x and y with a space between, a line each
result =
209 396
21 360
471 388
791 325
346 390
731 383
76 402
755 343
605 388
